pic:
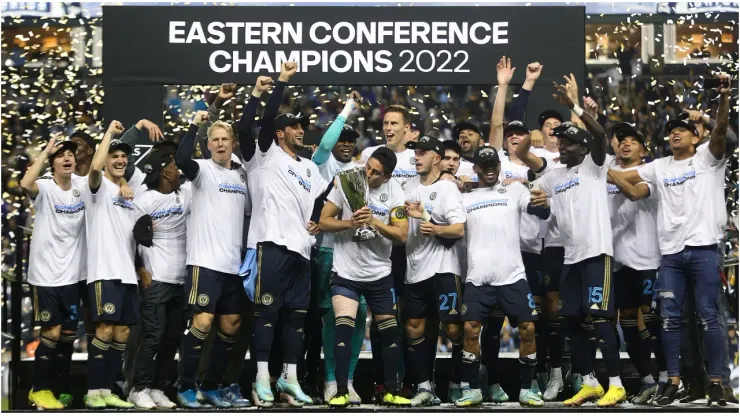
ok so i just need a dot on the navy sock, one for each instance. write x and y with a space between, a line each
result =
604 331
192 343
556 344
113 364
377 348
653 325
526 370
96 363
344 328
634 343
44 363
490 345
65 348
457 358
418 356
390 339
293 335
220 352
470 369
541 338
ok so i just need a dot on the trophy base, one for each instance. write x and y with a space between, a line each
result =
364 234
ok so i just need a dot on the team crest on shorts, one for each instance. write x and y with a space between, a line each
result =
203 299
383 197
433 196
109 308
45 316
547 279
308 172
76 193
502 190
463 308
266 299
560 304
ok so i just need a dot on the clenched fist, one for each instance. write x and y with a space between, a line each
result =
115 127
200 117
287 70
534 70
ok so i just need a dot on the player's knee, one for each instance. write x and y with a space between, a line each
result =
121 333
645 309
414 328
53 333
230 324
526 331
296 318
202 322
551 303
454 331
472 330
104 332
627 314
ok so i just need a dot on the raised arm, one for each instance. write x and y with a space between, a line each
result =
267 130
28 182
533 162
142 130
225 93
598 145
184 156
101 155
247 144
518 106
504 73
331 136
719 133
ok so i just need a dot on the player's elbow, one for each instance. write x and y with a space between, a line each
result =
457 230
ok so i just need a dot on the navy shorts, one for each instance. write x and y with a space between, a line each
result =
443 290
283 281
514 300
533 270
398 268
586 288
82 290
552 268
54 306
113 301
213 292
380 295
634 288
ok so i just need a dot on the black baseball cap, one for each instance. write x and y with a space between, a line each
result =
348 134
386 157
86 137
685 123
428 143
570 131
154 165
515 125
452 145
167 145
486 157
287 119
547 114
459 127
624 130
119 145
416 123
65 145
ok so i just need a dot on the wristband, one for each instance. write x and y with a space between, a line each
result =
578 110
348 107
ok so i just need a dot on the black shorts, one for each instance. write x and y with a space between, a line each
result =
82 290
54 306
443 290
552 268
514 300
380 295
114 301
586 288
213 292
283 280
533 270
634 288
398 268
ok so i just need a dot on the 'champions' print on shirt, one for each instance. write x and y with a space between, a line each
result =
304 183
164 213
69 209
572 183
120 202
679 180
488 203
403 173
232 188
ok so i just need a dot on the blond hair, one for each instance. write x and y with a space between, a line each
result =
221 125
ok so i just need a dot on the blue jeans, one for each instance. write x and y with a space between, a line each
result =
693 268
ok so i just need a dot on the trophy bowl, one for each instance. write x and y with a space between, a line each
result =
354 191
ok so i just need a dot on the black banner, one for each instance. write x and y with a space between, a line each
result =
159 45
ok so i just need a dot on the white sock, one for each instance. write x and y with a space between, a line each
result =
457 386
290 373
105 392
615 381
463 386
425 386
590 380
349 383
93 392
556 373
331 383
263 369
648 379
663 377
523 391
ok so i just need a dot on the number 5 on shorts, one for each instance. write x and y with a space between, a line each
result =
595 294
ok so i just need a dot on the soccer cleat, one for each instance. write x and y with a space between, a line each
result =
161 399
729 395
716 394
212 397
667 395
529 398
45 400
575 380
455 393
66 399
189 399
422 398
292 393
94 401
647 391
661 387
535 387
378 394
585 394
141 399
394 399
613 397
330 390
112 400
470 398
497 394
554 387
233 395
542 379
339 400
262 394
354 398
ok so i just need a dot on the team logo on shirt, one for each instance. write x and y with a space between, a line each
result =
109 308
308 172
576 171
203 299
383 197
45 316
75 193
241 177
177 199
412 160
266 299
464 308
304 183
433 196
502 190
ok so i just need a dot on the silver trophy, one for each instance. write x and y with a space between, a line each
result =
354 191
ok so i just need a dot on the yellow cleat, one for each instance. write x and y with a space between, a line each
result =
44 400
390 399
339 400
586 394
613 397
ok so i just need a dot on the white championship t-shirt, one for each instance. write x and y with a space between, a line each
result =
283 192
328 170
578 197
687 208
56 256
405 164
136 183
83 250
109 224
367 260
215 224
466 169
166 258
634 226
530 240
425 255
549 227
492 233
